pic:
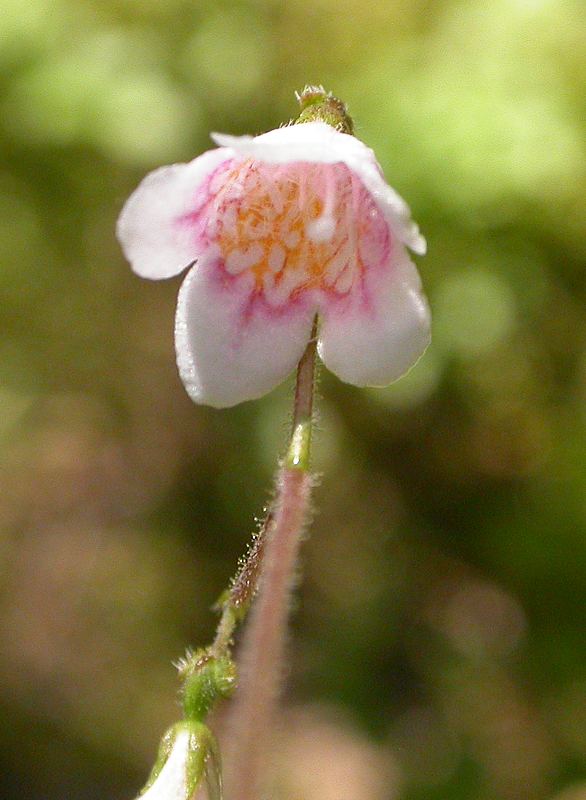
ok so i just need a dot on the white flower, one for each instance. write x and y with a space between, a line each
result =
171 783
276 229
188 753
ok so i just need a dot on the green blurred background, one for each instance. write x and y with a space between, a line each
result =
438 648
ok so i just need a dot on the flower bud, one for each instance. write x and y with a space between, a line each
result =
188 753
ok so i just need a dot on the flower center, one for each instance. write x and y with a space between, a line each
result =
296 227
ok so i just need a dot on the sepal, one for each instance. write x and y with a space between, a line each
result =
206 678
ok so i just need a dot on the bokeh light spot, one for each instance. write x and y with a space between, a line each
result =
144 119
473 310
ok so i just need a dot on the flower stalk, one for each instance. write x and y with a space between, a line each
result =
263 647
299 449
209 674
236 601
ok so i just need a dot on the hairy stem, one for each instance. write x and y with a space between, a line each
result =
263 646
261 658
242 590
237 599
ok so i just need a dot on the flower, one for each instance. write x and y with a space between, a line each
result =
277 229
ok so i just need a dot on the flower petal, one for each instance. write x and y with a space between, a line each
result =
171 783
376 333
320 143
231 345
149 227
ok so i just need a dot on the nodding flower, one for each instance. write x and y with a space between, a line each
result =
276 230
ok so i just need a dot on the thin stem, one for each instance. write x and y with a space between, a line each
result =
242 590
263 646
261 658
300 446
304 384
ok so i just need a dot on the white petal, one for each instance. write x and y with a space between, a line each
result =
227 349
171 782
374 336
149 227
320 143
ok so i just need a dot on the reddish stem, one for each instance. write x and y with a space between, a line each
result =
261 659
